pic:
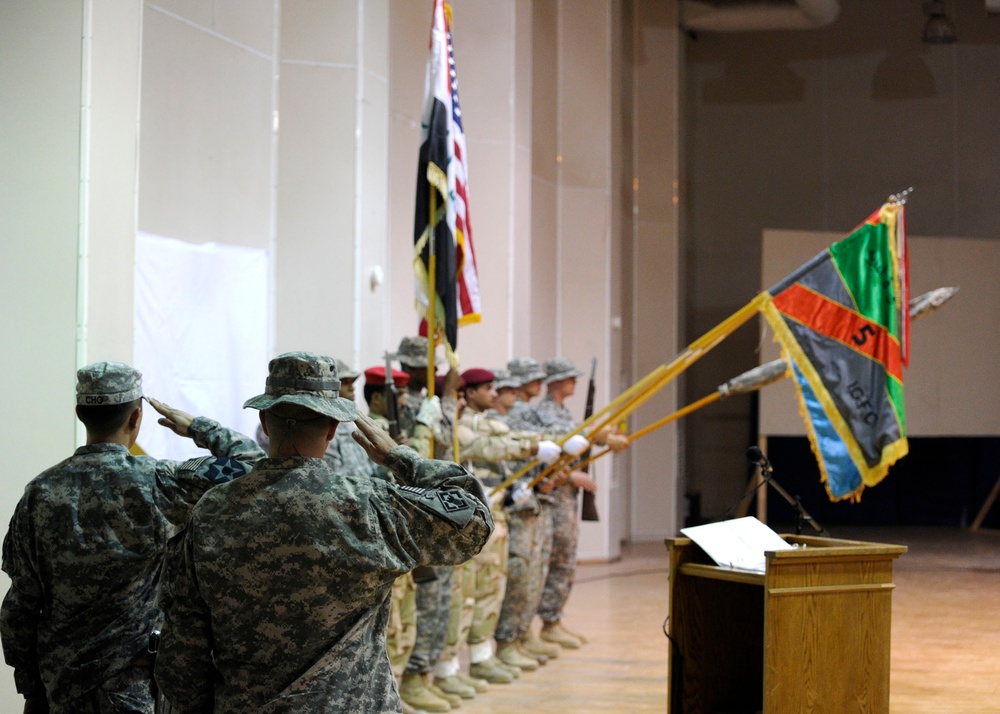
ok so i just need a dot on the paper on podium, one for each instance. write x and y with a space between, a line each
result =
738 543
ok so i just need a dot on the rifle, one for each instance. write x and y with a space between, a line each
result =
421 573
391 400
589 510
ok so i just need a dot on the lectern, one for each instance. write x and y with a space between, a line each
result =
809 634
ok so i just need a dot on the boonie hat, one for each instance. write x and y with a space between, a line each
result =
412 351
107 383
307 379
502 379
525 369
560 368
344 372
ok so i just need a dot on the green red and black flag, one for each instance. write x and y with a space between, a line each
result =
843 323
442 175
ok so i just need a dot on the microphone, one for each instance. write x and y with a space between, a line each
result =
756 456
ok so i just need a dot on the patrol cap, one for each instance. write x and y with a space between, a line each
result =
476 376
502 380
412 351
344 372
525 369
559 368
107 383
375 376
307 379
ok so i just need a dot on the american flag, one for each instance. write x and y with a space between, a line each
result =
443 170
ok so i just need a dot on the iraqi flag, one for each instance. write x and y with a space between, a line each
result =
442 180
843 323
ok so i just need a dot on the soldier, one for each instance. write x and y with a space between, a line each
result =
506 393
85 547
401 632
428 424
486 443
561 502
344 453
279 601
527 557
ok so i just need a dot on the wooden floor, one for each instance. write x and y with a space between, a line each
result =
945 632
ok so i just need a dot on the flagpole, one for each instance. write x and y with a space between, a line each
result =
432 295
640 393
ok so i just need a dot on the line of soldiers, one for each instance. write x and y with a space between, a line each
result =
270 573
528 565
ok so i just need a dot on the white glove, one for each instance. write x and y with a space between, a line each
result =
520 494
430 412
548 452
576 445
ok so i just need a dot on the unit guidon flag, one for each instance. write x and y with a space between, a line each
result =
843 323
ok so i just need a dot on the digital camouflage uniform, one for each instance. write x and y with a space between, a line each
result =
401 631
84 552
281 601
486 444
561 504
527 561
346 455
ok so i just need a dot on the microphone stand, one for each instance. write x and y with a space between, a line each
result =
803 517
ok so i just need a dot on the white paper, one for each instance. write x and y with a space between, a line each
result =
738 543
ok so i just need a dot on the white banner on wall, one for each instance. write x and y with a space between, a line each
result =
201 343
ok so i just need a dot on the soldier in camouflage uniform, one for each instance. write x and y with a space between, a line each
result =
486 443
527 557
85 546
428 424
344 453
401 631
561 503
280 600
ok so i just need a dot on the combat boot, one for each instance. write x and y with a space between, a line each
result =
557 634
539 657
492 671
480 685
509 654
534 646
576 635
454 685
413 690
407 709
454 701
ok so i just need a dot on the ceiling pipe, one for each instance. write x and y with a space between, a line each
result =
749 16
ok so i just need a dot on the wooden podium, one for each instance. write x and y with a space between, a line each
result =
810 634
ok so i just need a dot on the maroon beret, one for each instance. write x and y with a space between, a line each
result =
476 376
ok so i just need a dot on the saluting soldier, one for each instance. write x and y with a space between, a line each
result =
279 603
85 547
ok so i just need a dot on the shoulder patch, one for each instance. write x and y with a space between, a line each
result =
452 505
217 469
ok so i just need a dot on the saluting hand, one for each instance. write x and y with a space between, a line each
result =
174 419
373 439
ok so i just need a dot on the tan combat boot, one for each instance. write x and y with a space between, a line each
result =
509 654
413 690
454 685
453 700
493 671
557 634
480 685
534 646
572 633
